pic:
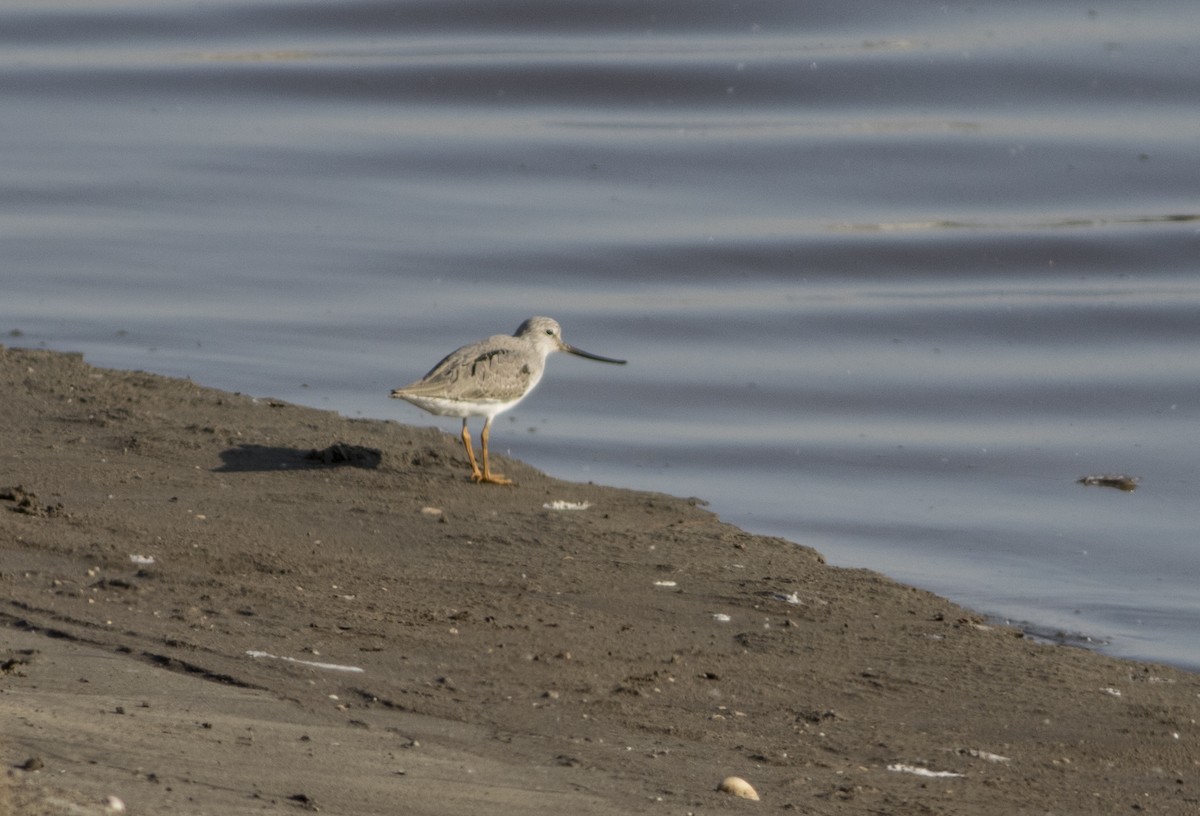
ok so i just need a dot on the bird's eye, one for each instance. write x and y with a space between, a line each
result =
550 332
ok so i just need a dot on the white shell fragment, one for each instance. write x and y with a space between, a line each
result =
737 786
912 769
990 757
566 505
142 560
326 666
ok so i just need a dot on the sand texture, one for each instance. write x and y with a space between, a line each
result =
217 604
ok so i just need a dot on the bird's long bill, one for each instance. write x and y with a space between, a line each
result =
590 356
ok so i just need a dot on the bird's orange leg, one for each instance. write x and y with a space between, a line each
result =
488 476
476 473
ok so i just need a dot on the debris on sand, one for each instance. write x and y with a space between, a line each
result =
27 503
339 453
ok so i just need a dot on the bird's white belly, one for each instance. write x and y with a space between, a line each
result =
461 408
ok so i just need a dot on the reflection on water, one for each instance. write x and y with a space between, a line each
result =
1056 224
891 278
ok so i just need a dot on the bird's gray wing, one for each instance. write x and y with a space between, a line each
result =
496 369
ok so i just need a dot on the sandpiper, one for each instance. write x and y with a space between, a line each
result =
489 377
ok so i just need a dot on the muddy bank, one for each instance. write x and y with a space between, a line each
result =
219 604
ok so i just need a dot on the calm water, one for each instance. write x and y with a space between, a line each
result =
891 276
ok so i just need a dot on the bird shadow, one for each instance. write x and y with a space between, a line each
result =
268 458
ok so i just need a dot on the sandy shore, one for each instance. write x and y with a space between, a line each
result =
200 618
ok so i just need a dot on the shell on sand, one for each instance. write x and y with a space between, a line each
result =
738 787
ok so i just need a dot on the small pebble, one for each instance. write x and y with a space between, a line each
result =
737 786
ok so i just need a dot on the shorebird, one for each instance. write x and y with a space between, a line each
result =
489 377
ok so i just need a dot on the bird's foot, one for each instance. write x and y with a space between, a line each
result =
487 477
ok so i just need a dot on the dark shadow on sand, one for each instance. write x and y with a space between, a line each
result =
263 458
